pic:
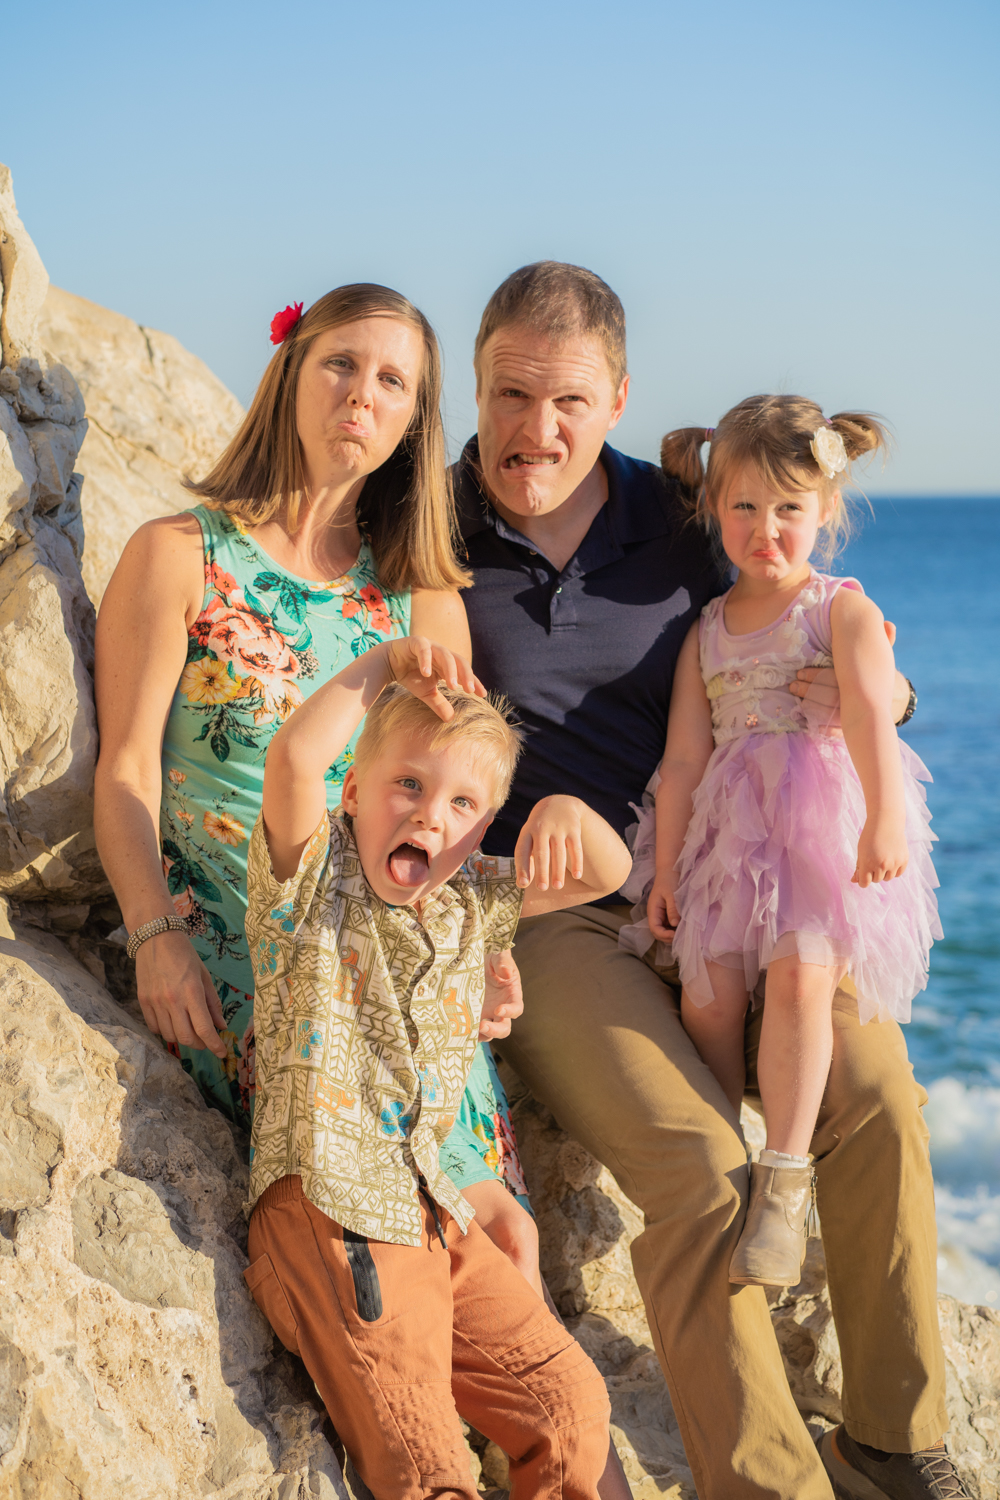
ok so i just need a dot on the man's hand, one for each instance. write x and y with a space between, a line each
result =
422 667
821 687
661 907
503 1001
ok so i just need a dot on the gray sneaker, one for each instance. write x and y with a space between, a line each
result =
858 1472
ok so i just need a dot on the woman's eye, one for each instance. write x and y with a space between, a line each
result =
394 381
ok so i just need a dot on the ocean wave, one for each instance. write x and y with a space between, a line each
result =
964 1121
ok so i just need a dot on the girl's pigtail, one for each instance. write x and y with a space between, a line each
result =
861 433
680 458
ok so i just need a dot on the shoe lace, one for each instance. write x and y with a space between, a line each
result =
936 1466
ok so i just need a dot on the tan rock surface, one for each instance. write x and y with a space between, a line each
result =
48 738
132 1359
155 413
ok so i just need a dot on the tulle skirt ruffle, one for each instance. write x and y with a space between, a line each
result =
765 873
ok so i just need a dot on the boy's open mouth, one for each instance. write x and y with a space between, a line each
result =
408 865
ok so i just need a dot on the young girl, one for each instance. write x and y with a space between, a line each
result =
807 852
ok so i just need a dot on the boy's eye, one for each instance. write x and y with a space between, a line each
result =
462 802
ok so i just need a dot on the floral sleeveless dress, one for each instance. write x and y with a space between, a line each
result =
264 641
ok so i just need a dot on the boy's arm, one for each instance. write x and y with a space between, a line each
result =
567 854
305 747
688 749
865 668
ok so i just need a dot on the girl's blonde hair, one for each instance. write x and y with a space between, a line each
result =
773 434
406 508
483 723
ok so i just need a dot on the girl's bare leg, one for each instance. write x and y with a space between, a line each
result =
796 1045
717 1030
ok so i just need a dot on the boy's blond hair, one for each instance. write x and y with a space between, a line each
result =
483 722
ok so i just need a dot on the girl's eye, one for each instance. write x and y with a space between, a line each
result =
409 782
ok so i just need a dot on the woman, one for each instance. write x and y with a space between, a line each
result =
327 529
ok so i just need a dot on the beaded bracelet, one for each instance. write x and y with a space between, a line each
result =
153 929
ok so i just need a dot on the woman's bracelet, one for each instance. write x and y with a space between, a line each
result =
911 705
153 929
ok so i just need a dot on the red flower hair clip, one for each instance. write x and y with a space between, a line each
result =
282 323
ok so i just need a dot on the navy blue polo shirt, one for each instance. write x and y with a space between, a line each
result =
586 655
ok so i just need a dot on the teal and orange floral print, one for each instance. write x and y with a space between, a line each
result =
263 641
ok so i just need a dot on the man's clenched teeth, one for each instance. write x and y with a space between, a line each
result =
517 460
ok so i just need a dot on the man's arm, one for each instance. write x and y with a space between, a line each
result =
566 855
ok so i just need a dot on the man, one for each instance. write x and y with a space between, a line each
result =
587 577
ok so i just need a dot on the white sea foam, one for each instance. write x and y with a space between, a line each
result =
964 1122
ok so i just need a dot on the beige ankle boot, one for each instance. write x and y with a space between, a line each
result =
772 1247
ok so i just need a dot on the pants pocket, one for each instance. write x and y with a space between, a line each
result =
367 1292
268 1293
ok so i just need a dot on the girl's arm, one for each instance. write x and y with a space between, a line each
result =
865 667
317 733
689 746
567 854
153 597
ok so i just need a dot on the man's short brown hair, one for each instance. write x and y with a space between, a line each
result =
559 301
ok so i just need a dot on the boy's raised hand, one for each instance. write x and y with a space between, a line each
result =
422 666
551 844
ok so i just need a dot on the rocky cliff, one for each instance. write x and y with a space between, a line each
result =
155 414
132 1359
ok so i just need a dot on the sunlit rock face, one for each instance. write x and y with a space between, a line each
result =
156 415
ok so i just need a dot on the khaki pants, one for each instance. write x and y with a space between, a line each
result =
601 1044
402 1339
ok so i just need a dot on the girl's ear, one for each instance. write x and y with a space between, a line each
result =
829 507
349 794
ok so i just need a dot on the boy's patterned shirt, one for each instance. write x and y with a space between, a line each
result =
366 1024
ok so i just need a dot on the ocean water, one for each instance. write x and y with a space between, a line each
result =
933 566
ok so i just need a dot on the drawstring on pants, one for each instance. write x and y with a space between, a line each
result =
433 1208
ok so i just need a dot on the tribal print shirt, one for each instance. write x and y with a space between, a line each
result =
366 1023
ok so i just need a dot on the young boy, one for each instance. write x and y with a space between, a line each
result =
368 932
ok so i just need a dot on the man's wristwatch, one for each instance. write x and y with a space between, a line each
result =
911 705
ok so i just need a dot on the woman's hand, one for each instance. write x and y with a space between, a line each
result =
177 995
882 851
503 1001
422 666
661 907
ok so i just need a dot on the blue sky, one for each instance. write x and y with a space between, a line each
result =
786 196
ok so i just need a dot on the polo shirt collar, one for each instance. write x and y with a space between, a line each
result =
633 513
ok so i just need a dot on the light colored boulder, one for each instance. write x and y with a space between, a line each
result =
132 1358
48 739
155 413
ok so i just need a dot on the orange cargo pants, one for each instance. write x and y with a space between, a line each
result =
401 1341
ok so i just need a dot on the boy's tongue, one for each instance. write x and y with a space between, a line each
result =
408 865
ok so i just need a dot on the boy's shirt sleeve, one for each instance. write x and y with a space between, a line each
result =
276 909
494 881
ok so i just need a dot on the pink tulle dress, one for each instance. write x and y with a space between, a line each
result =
766 867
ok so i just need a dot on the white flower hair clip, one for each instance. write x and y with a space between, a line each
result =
827 448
